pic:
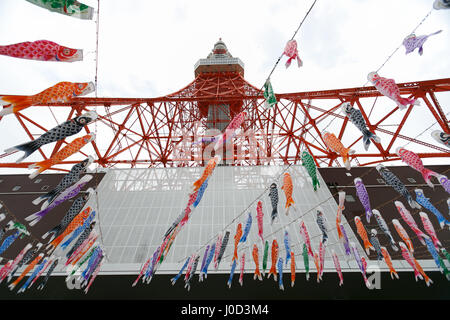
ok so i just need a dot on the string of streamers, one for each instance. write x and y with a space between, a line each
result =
48 255
240 214
223 229
362 215
342 222
97 22
388 58
356 91
10 214
301 216
2 205
382 65
276 64
97 204
388 223
417 251
296 219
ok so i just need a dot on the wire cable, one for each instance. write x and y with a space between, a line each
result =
379 68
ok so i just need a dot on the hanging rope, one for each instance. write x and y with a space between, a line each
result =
97 203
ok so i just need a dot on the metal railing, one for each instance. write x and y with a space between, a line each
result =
203 62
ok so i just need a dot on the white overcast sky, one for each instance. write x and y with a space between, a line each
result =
149 48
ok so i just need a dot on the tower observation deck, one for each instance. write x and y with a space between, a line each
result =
219 60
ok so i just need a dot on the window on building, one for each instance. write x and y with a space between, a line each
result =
349 198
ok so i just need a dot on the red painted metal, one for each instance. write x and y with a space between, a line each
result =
152 132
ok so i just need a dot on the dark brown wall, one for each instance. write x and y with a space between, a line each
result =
19 204
382 198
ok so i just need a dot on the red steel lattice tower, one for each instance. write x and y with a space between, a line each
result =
152 132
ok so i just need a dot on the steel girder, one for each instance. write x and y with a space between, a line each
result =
152 132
